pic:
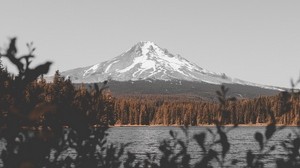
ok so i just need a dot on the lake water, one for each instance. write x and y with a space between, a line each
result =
147 140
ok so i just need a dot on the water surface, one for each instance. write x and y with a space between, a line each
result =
146 139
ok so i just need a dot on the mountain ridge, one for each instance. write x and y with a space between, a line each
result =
147 61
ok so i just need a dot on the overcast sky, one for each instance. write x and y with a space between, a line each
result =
254 40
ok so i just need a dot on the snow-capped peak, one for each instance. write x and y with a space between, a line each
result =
146 60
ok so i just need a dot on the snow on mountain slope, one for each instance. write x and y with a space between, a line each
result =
146 60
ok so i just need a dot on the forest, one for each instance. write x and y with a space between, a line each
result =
40 121
149 109
172 110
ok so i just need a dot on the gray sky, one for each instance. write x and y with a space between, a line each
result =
254 40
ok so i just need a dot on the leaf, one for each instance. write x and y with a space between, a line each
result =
250 158
33 74
12 50
296 143
259 138
172 134
183 146
234 162
270 129
200 138
210 131
292 83
223 141
226 147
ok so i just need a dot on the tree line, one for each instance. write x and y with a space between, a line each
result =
103 108
174 110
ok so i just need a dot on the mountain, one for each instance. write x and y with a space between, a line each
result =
145 61
147 68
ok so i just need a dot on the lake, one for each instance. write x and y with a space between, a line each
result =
146 139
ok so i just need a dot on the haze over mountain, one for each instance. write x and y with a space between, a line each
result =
148 61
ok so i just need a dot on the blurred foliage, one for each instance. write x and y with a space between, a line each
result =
40 122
